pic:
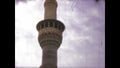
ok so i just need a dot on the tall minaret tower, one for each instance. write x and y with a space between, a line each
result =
50 34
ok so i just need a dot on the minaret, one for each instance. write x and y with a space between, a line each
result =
50 34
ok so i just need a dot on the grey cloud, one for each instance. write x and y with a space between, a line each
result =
17 1
23 1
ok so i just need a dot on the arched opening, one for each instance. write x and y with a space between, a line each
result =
59 27
55 25
51 24
46 24
42 25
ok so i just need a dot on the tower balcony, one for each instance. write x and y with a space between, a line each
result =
50 32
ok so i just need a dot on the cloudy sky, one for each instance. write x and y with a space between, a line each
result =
83 44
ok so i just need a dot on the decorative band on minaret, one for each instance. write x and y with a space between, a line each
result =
50 35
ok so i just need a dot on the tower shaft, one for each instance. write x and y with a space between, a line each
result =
49 57
50 9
